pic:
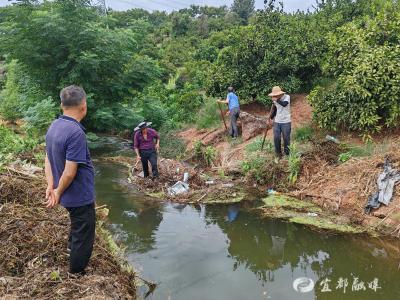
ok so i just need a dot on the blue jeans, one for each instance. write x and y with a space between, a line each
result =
282 130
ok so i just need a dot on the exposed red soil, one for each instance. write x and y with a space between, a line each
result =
300 109
301 114
343 188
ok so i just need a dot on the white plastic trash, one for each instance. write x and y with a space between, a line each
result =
332 139
185 177
178 188
228 185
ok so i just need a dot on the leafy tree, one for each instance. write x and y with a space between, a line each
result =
244 9
10 96
365 57
180 24
68 42
40 116
278 49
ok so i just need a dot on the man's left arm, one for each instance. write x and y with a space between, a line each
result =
283 102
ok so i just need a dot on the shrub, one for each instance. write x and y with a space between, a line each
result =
9 97
365 58
40 116
209 115
303 134
12 144
171 145
256 146
206 155
210 155
115 117
264 168
198 149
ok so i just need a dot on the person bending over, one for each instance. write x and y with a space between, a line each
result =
146 143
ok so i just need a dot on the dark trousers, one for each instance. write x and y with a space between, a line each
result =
282 130
81 237
234 113
149 156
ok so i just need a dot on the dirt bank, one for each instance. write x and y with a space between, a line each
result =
340 189
345 188
34 261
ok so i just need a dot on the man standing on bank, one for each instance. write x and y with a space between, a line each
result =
234 110
70 175
146 143
282 119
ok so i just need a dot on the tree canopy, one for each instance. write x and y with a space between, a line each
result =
138 64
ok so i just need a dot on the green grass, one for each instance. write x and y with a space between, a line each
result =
303 134
209 115
171 145
235 142
368 149
256 146
361 151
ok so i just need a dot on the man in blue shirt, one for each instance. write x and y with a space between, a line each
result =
234 110
70 175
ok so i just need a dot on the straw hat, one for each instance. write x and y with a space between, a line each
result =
276 91
143 125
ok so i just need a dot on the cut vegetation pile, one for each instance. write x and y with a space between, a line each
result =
34 260
170 172
202 188
346 188
324 151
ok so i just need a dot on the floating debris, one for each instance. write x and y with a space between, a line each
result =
129 214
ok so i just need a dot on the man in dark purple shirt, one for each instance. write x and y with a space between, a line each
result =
146 143
70 175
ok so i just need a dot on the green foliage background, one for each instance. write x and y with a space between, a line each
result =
165 67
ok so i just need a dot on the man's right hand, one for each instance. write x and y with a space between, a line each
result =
138 158
53 198
49 192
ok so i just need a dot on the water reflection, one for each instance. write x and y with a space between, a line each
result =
212 252
265 246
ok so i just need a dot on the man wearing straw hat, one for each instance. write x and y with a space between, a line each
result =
282 119
146 143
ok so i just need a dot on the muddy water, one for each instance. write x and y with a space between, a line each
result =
228 252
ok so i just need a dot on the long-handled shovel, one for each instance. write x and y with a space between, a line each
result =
266 129
222 115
